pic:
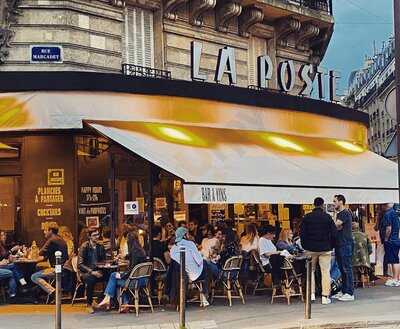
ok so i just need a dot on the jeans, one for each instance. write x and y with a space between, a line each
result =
14 269
324 260
40 278
12 284
112 286
90 282
214 269
344 255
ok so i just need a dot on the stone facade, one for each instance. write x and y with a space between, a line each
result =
92 34
372 90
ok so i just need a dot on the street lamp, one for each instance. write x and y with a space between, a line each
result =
396 15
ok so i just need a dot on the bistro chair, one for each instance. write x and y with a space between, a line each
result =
138 280
362 276
229 279
159 270
79 283
291 285
259 284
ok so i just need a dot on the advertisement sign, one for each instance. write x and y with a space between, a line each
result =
131 208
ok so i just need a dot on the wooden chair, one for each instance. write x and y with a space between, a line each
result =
291 285
138 280
362 276
259 281
79 283
159 270
229 278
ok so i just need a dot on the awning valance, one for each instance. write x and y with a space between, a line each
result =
240 166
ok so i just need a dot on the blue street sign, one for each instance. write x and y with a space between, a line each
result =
46 54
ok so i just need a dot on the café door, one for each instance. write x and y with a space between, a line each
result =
9 203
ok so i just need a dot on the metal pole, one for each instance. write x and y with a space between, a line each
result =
307 310
150 211
114 204
396 9
58 271
182 294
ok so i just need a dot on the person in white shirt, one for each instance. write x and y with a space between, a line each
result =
266 247
195 265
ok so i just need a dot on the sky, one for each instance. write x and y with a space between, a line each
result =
358 23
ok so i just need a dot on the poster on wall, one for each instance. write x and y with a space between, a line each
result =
217 211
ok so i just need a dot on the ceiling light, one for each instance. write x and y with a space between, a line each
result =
285 143
175 134
350 146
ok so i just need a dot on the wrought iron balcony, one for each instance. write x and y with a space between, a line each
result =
146 72
321 5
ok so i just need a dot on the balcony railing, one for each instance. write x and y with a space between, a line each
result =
321 5
145 72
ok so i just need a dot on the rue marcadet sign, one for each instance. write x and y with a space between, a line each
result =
286 74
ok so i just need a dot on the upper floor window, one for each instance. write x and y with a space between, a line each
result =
139 37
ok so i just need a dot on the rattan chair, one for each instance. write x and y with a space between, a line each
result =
229 279
138 280
79 283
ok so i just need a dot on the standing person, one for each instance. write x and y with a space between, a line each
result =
90 253
54 243
317 234
390 228
195 265
344 248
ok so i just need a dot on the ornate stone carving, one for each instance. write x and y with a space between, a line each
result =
318 44
198 8
117 3
171 6
250 16
307 32
8 15
225 13
285 28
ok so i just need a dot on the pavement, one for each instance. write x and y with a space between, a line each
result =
375 307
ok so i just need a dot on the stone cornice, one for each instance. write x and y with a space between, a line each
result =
9 12
286 27
250 16
198 8
171 6
225 13
307 32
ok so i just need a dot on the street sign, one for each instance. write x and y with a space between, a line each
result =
46 54
131 208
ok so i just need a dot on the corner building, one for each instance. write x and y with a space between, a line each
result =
102 119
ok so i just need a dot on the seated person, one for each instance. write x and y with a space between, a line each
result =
90 254
266 247
6 258
136 256
285 242
195 265
54 243
158 247
66 235
362 247
250 240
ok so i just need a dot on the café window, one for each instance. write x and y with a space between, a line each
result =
139 38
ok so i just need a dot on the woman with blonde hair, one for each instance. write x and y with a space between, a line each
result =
67 236
249 241
285 241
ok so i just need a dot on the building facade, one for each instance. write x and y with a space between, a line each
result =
102 35
115 111
372 90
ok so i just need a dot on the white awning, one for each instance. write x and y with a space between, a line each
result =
240 166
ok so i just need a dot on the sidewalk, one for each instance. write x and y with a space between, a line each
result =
374 306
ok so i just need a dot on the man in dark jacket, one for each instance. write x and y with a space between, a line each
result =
54 243
90 254
317 233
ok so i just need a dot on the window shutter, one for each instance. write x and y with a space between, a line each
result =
139 39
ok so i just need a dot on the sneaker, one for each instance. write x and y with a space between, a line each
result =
389 283
338 295
396 283
206 303
326 300
347 298
313 297
90 309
